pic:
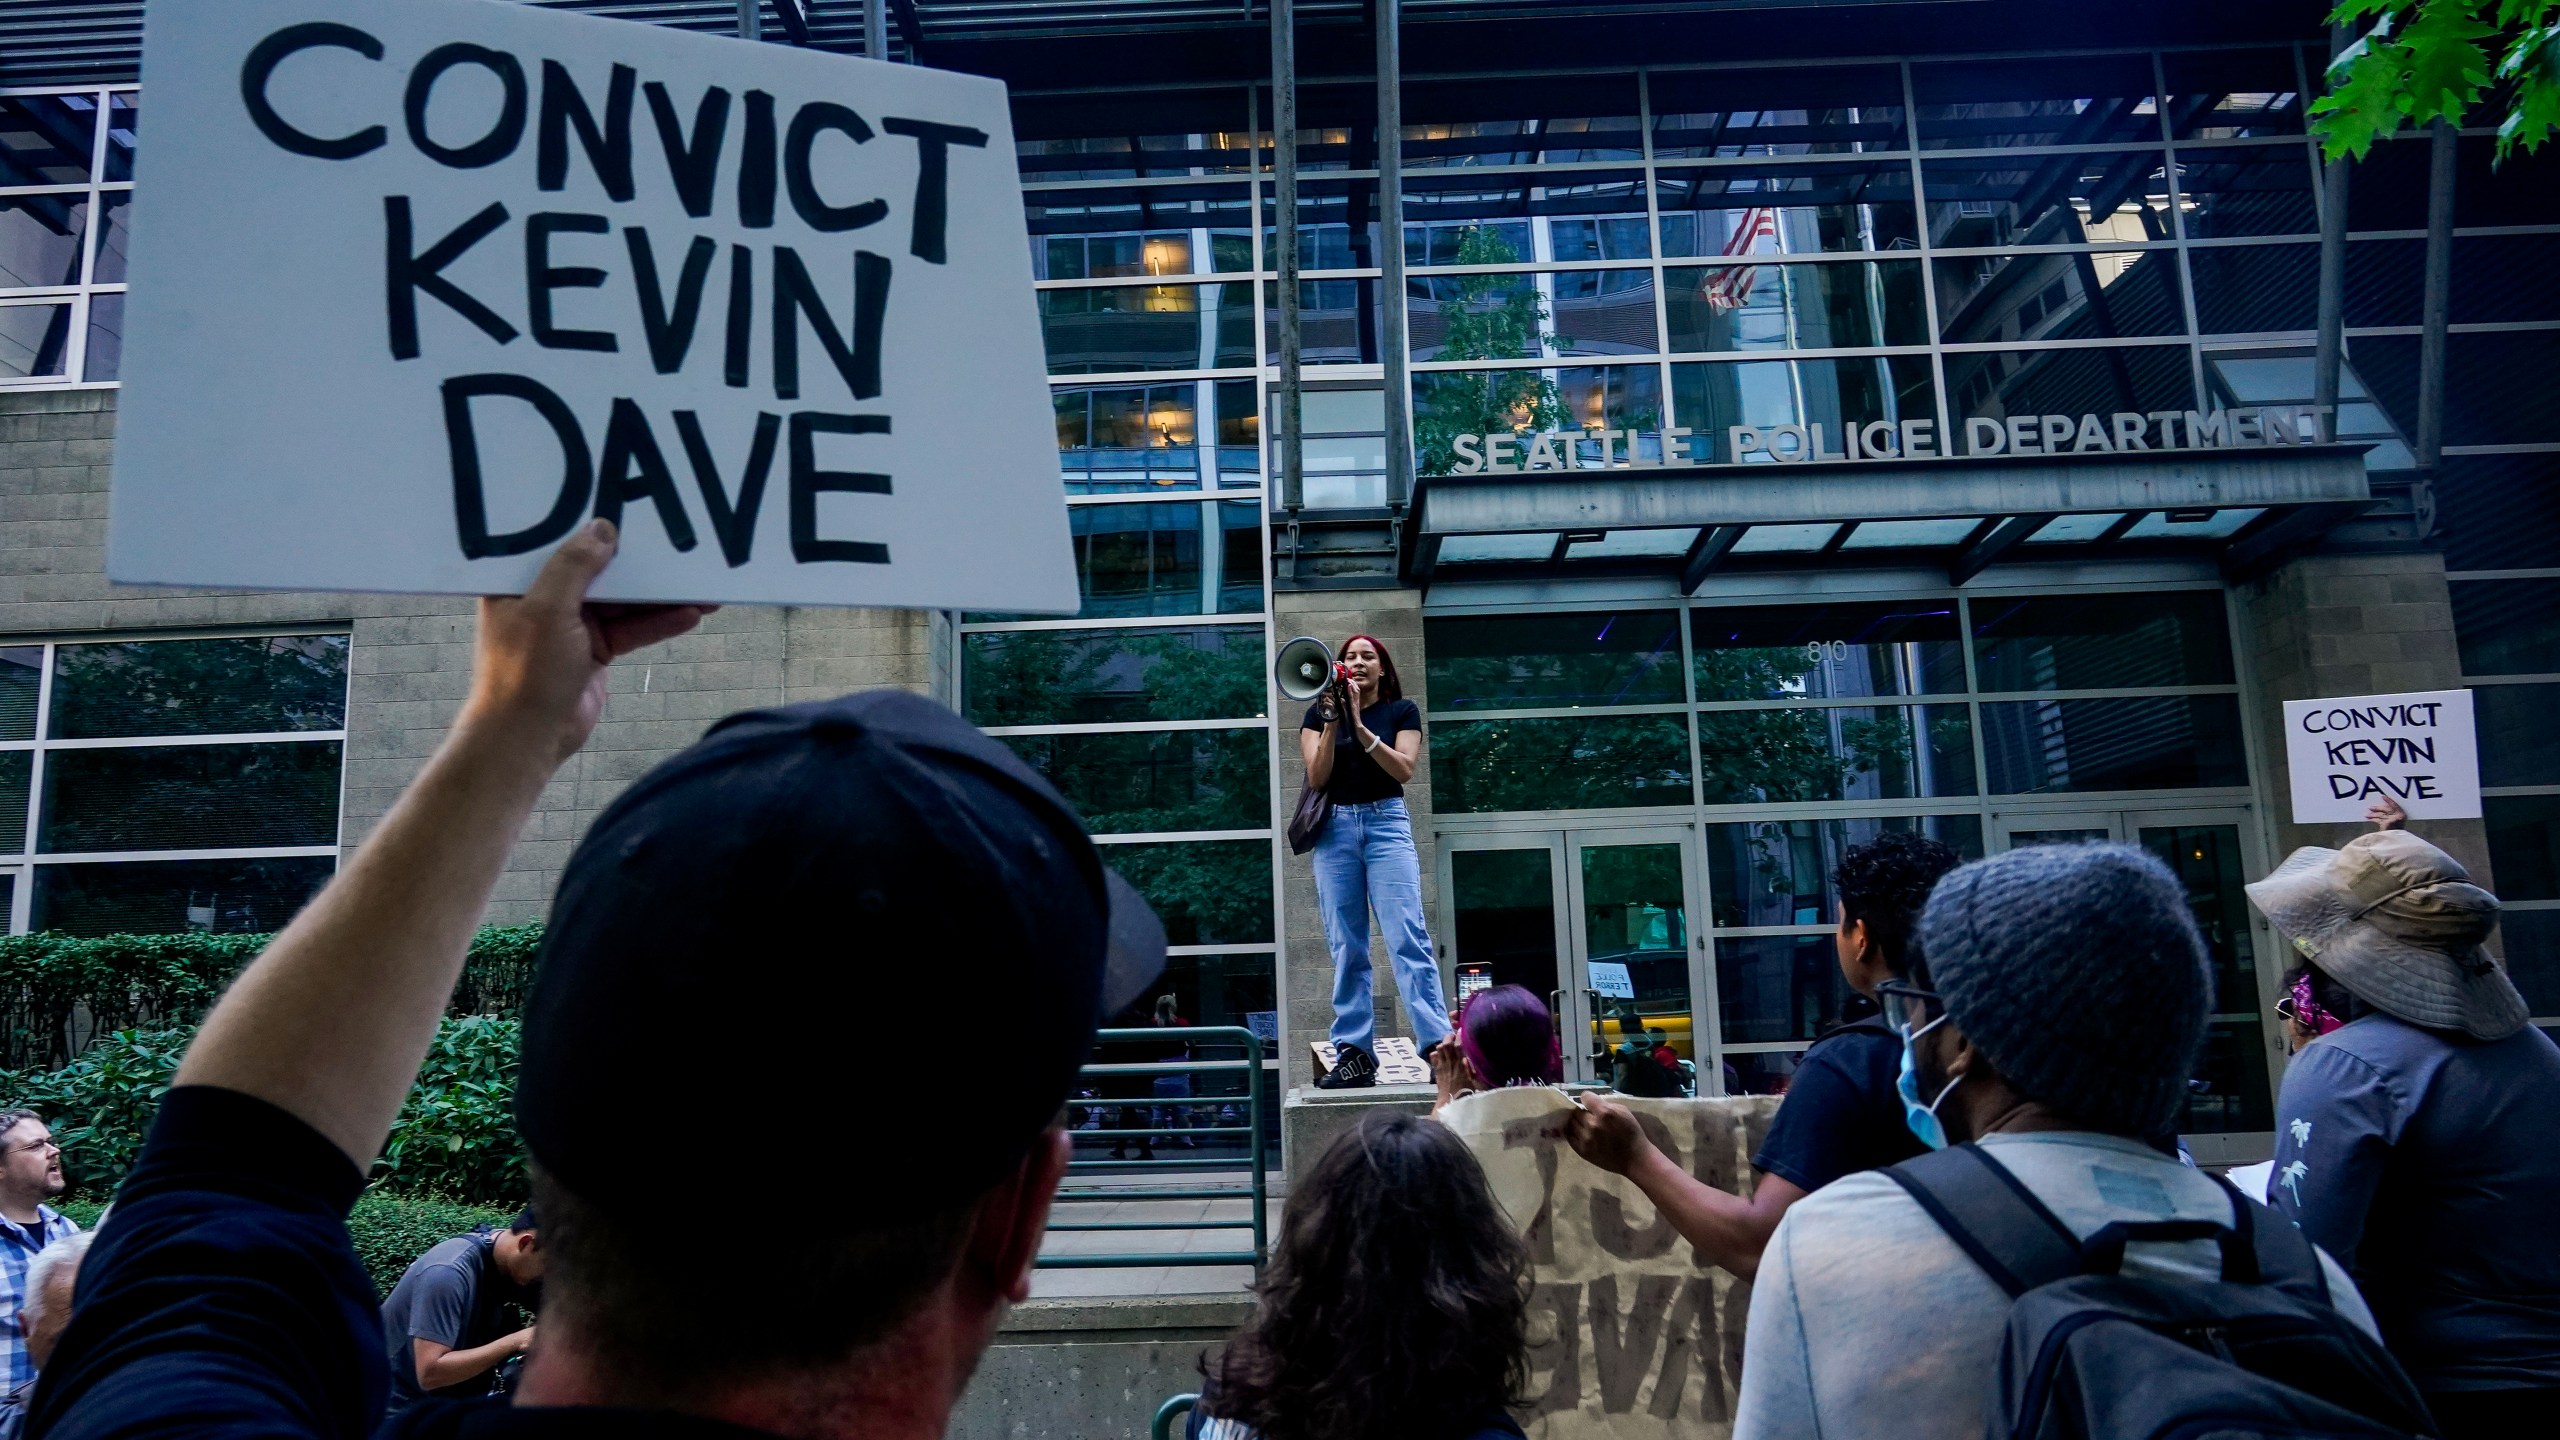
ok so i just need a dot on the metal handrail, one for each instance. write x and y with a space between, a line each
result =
1254 1132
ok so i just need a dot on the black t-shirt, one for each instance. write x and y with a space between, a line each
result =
223 1301
1841 1114
1356 778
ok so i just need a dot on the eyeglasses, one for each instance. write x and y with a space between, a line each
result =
1908 1007
33 1146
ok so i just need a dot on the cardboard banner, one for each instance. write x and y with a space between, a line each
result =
427 283
2418 749
1398 1062
1633 1337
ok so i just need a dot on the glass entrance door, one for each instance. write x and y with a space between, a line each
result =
2230 1106
1507 909
1638 954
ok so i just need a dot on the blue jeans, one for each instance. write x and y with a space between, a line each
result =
1365 858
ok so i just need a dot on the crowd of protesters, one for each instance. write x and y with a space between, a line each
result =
2000 1122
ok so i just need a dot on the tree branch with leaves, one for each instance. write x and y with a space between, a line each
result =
2450 60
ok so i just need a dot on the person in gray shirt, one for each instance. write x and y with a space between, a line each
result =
2417 1141
447 1325
2070 997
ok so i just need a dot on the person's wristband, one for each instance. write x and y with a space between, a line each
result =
1369 746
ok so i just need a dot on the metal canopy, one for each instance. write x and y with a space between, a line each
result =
2249 509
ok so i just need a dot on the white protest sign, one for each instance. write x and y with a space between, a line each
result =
1610 978
2418 749
426 283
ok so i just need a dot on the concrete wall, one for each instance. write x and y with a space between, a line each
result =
411 656
1306 968
2348 625
1092 1369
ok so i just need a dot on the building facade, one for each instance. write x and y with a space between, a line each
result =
1673 665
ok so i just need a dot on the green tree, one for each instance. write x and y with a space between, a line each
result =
1486 317
2425 60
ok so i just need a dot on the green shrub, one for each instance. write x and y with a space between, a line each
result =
457 1133
80 1210
392 1230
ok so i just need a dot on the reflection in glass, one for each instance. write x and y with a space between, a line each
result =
34 341
2208 862
46 139
2518 743
1850 391
1450 403
1115 440
2233 1095
2248 191
1794 208
1596 312
2250 289
1211 990
1778 987
2047 199
1831 110
124 123
2081 295
2524 847
21 679
1827 652
1504 916
1888 752
1121 133
1086 677
1160 781
1147 560
1150 230
2533 955
16 766
1635 929
40 239
248 685
2232 94
2102 642
1778 872
115 238
228 897
106 337
2092 381
190 797
2048 100
1207 892
1561 119
2505 627
1534 662
1595 764
2165 742
1147 327
1589 216
1761 1072
1839 305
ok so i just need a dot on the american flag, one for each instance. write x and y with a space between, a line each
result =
1728 287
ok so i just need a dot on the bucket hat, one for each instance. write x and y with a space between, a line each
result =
2399 923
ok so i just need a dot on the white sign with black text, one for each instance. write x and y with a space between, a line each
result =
2417 749
427 283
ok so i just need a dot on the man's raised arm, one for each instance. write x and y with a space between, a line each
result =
333 1020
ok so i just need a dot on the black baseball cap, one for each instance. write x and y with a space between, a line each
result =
751 953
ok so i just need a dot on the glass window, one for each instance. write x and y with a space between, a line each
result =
106 337
1778 987
1825 652
1124 133
1835 109
1337 126
124 122
2533 956
2524 845
1833 394
2508 627
115 237
2229 1090
1143 230
1207 892
21 678
35 341
1213 990
1450 403
252 684
190 797
15 768
2075 746
2495 278
2080 295
2233 94
1440 211
1621 397
2250 289
1503 915
1158 781
1594 764
2048 100
1858 752
231 897
1147 560
1533 662
1790 208
2098 381
1338 227
1778 872
40 239
2101 642
2208 863
2518 743
2495 390
1084 677
2247 191
1559 119
1147 327
1124 439
1837 305
2048 199
1504 317
47 139
1338 321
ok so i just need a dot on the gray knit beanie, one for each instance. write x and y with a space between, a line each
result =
2078 972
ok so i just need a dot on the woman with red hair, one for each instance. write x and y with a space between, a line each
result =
1362 741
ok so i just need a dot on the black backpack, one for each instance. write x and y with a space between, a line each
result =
2093 1354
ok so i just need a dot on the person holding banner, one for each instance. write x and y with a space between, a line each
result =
1362 740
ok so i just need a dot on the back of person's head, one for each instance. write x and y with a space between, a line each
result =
812 851
2078 972
46 1306
1509 1037
1395 1305
1883 883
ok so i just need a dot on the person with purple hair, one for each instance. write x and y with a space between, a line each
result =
1506 1037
